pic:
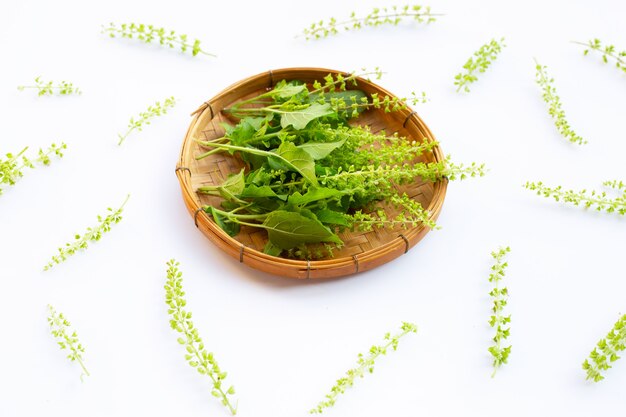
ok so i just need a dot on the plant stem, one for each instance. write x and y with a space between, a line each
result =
51 150
215 142
234 110
239 148
287 184
240 208
40 158
253 99
17 156
204 155
82 365
236 217
604 52
123 138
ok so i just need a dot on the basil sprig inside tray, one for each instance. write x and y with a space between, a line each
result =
311 174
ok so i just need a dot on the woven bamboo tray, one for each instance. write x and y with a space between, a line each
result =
362 250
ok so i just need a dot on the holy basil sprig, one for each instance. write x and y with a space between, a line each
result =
44 88
552 99
606 351
365 364
595 200
478 63
498 320
92 234
378 17
608 52
296 105
144 118
67 338
197 356
150 33
311 174
13 165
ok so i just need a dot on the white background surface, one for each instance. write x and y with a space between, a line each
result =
283 342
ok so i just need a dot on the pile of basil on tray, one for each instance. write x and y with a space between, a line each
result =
311 174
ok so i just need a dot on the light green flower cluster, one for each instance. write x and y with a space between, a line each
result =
478 63
197 356
13 165
378 17
365 364
498 320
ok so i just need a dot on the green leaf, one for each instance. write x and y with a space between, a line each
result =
300 118
307 213
314 194
243 131
229 227
294 159
253 191
229 205
287 90
233 185
287 230
265 205
256 122
332 217
255 161
320 150
271 249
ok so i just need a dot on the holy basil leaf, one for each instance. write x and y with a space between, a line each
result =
229 227
247 129
332 217
255 161
265 205
229 205
287 90
342 205
290 158
242 132
255 122
300 118
307 213
253 191
271 249
233 185
322 170
314 194
259 177
320 150
279 165
288 230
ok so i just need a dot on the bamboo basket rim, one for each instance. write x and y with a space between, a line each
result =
305 269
